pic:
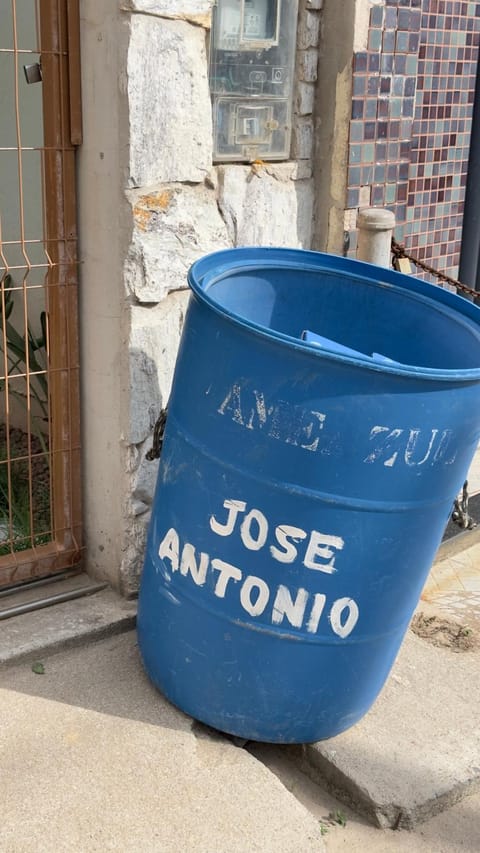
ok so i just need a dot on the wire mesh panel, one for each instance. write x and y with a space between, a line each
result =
39 395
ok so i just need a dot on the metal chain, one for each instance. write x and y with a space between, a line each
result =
398 251
158 433
460 514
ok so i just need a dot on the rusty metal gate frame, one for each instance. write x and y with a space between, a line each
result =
58 30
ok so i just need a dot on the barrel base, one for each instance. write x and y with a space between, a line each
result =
255 685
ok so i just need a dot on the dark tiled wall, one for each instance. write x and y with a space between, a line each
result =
413 91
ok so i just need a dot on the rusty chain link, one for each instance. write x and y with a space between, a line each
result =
460 514
398 251
158 433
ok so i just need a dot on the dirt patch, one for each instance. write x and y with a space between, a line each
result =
445 633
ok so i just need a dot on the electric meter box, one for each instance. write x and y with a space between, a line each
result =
252 60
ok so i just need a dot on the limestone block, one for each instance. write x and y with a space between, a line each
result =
197 11
138 507
169 102
304 170
302 142
173 227
266 206
314 4
307 65
154 338
308 30
305 99
133 553
144 481
146 398
133 458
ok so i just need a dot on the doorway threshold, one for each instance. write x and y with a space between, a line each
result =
70 612
45 592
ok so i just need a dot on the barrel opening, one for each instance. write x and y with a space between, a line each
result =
364 316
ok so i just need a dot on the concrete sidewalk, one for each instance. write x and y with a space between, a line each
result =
94 759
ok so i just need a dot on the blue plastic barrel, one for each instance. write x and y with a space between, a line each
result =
302 492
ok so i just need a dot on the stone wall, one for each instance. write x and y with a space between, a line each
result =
182 207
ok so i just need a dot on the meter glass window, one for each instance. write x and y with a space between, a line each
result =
251 78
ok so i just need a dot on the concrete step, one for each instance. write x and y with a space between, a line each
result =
417 752
70 623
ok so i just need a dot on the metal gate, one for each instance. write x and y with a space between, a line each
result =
40 125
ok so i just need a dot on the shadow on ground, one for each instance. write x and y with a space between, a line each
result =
106 677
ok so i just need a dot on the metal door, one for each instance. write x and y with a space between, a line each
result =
40 125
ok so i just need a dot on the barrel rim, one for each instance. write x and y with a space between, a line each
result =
227 261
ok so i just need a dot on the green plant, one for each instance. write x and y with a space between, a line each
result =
22 352
21 507
338 817
17 515
14 504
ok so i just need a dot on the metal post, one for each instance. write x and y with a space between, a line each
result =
375 228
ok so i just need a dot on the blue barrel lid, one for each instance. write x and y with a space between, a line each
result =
219 266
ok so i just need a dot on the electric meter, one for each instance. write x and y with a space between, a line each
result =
252 58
